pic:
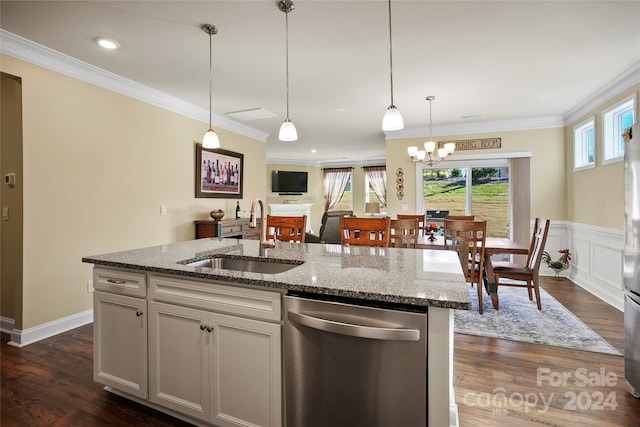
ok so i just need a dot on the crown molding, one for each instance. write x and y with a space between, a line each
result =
37 54
479 127
342 162
624 81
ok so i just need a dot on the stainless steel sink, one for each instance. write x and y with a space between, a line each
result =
250 265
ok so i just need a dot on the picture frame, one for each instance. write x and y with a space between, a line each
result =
219 173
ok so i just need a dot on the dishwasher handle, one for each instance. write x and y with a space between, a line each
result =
332 326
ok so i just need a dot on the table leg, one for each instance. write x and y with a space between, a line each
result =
490 282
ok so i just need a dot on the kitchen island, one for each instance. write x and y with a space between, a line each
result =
204 343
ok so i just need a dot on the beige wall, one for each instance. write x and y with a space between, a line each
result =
11 197
313 196
97 168
596 196
547 167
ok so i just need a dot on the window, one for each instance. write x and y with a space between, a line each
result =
345 203
616 119
481 189
375 182
584 145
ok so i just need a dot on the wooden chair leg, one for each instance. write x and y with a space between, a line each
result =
537 289
480 303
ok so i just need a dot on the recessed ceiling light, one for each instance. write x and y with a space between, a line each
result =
314 150
107 43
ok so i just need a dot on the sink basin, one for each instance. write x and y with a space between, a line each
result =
250 265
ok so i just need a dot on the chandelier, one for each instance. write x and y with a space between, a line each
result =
429 156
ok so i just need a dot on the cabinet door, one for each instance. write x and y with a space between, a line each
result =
120 342
179 342
247 373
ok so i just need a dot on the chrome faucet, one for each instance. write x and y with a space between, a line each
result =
264 243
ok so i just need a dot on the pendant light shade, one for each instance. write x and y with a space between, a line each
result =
392 119
210 139
288 130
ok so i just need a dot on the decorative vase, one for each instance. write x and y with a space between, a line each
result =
217 214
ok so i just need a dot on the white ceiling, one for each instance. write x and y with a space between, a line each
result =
490 60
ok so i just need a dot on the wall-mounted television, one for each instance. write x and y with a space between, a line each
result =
289 182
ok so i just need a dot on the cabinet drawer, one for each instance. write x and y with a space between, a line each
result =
230 230
122 282
253 303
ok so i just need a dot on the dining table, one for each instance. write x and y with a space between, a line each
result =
492 246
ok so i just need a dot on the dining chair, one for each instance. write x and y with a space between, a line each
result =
404 233
286 228
450 218
365 231
460 217
467 238
420 218
528 272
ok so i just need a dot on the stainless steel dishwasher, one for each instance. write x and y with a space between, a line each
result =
353 365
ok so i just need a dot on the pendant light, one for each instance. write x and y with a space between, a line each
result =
392 119
287 130
210 139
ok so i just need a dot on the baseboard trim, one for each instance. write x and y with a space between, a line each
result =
6 325
21 338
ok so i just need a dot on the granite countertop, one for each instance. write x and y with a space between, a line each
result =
402 276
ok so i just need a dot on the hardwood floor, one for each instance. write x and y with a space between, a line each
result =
487 371
50 383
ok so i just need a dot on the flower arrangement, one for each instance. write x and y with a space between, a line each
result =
432 227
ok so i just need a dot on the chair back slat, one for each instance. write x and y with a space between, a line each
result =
421 221
365 231
538 241
286 228
404 233
467 238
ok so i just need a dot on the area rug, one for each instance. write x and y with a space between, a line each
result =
519 319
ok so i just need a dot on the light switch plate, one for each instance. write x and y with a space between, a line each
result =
163 210
404 207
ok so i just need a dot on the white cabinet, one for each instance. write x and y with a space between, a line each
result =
213 352
217 368
120 342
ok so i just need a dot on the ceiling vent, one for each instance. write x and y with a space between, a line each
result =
251 114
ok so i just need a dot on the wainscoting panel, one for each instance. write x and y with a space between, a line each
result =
597 261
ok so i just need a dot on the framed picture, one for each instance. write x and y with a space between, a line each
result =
219 173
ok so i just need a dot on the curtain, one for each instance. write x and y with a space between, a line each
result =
334 181
377 176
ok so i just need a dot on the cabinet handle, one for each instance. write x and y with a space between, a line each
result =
116 282
139 313
209 328
203 327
